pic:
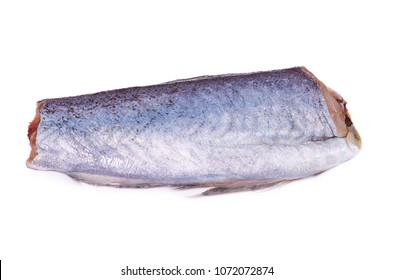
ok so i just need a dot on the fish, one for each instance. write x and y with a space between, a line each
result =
227 133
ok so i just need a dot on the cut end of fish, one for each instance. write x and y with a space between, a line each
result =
353 139
32 133
337 109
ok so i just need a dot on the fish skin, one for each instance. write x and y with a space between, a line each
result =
269 126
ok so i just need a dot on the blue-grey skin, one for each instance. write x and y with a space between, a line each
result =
230 132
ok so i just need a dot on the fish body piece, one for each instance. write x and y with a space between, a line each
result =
229 132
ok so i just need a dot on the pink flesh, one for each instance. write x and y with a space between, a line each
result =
32 132
336 105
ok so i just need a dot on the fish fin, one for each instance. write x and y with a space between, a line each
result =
189 186
246 185
201 78
112 181
199 185
220 187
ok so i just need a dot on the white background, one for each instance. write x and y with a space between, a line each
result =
334 226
